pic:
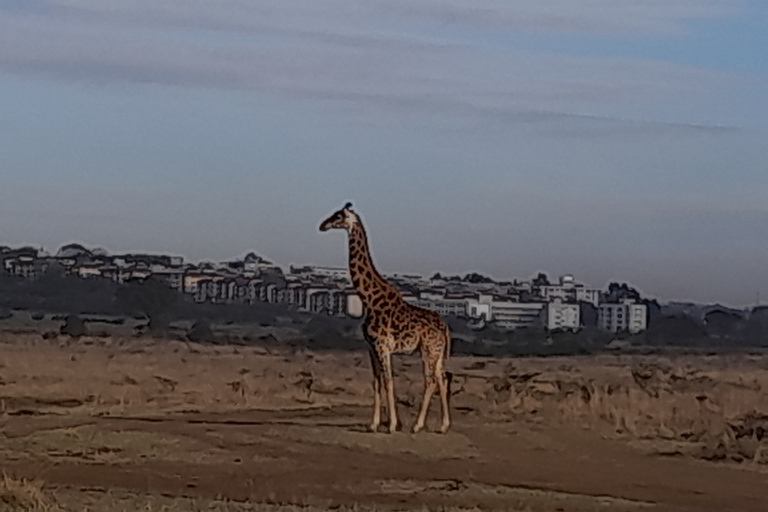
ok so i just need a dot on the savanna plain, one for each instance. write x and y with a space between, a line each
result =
113 423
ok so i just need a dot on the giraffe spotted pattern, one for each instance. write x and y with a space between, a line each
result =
392 326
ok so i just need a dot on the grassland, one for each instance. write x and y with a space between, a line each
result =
131 423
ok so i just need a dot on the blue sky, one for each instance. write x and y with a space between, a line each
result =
611 139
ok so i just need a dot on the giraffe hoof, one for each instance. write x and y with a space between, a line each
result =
444 428
416 429
373 427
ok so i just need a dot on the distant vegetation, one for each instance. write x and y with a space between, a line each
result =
74 299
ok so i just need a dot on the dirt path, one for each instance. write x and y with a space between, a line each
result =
324 457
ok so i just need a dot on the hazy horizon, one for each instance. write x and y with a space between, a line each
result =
646 294
611 140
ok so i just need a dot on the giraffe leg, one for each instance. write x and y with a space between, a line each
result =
442 382
430 384
376 393
389 381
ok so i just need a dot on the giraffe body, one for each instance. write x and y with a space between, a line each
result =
392 326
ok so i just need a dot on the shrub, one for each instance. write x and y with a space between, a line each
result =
21 495
73 326
201 332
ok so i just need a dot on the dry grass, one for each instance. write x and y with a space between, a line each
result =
22 496
687 398
140 377
519 498
91 445
719 401
706 407
25 496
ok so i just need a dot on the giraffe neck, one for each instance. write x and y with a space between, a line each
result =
365 278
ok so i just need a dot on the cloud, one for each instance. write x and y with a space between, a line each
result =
595 16
26 6
344 16
343 51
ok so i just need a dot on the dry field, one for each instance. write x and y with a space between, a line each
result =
108 424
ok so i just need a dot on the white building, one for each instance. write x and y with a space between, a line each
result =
638 318
587 295
191 282
322 298
560 315
624 316
253 264
478 310
569 290
515 314
330 271
92 270
505 313
114 273
439 302
22 266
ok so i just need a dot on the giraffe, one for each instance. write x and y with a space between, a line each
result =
392 326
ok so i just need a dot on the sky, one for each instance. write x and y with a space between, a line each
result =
609 139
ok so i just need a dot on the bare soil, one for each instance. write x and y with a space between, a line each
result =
128 424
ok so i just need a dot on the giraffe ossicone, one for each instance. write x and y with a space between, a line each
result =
393 326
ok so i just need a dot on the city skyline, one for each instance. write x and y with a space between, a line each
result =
612 139
100 251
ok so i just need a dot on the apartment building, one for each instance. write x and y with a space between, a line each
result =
326 289
624 316
328 300
504 312
559 315
513 315
445 304
568 290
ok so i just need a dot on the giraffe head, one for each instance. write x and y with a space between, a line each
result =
345 218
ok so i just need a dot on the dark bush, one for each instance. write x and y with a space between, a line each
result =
152 298
676 330
74 326
201 332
